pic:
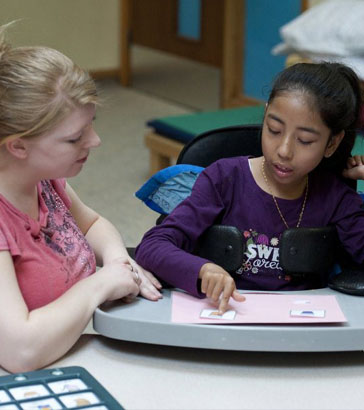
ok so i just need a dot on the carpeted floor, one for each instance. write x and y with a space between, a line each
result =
175 79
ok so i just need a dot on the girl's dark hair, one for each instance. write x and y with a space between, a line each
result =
337 96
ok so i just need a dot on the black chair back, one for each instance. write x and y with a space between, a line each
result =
222 143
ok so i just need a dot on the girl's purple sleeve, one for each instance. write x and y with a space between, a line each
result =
166 250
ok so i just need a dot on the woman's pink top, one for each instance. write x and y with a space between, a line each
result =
51 254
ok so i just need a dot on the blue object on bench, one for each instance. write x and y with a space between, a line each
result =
169 187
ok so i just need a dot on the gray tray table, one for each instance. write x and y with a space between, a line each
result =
150 322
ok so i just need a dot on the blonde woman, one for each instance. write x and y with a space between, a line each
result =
50 241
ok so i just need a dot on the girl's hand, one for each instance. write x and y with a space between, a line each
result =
354 167
149 285
218 285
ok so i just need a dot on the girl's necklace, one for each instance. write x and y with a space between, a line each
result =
275 201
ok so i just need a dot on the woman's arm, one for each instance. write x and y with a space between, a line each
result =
108 244
30 340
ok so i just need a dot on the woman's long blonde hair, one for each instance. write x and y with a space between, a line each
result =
39 86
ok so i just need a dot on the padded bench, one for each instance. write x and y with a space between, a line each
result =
170 134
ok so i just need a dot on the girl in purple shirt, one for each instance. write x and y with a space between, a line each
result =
310 120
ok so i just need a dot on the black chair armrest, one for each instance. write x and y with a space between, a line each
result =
223 245
308 250
350 281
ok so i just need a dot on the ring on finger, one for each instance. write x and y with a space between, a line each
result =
136 276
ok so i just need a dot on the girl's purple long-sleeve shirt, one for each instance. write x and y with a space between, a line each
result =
226 193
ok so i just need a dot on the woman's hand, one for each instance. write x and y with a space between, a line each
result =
133 274
354 167
120 280
218 285
149 285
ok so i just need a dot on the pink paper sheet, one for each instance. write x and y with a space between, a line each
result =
259 308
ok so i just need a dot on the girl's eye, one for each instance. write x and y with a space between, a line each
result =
303 142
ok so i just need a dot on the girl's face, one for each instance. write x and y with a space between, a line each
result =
61 152
294 140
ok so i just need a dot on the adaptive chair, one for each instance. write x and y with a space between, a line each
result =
315 252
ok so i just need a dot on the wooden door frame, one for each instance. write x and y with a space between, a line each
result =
125 42
231 74
232 48
125 70
232 54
